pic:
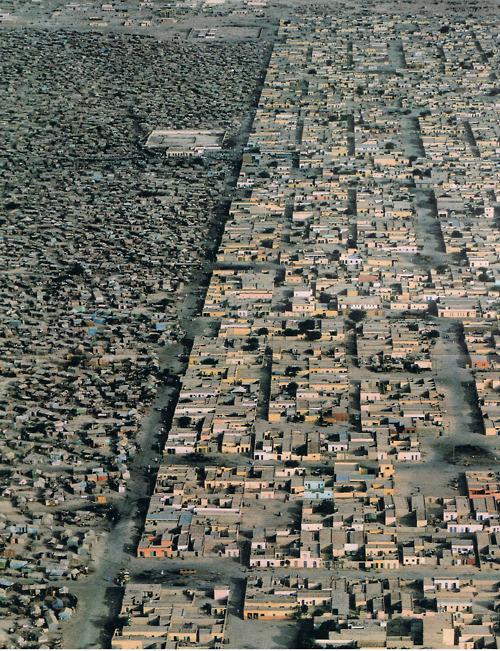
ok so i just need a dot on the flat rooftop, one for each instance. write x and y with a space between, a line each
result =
185 140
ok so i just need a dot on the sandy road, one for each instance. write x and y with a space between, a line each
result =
98 597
